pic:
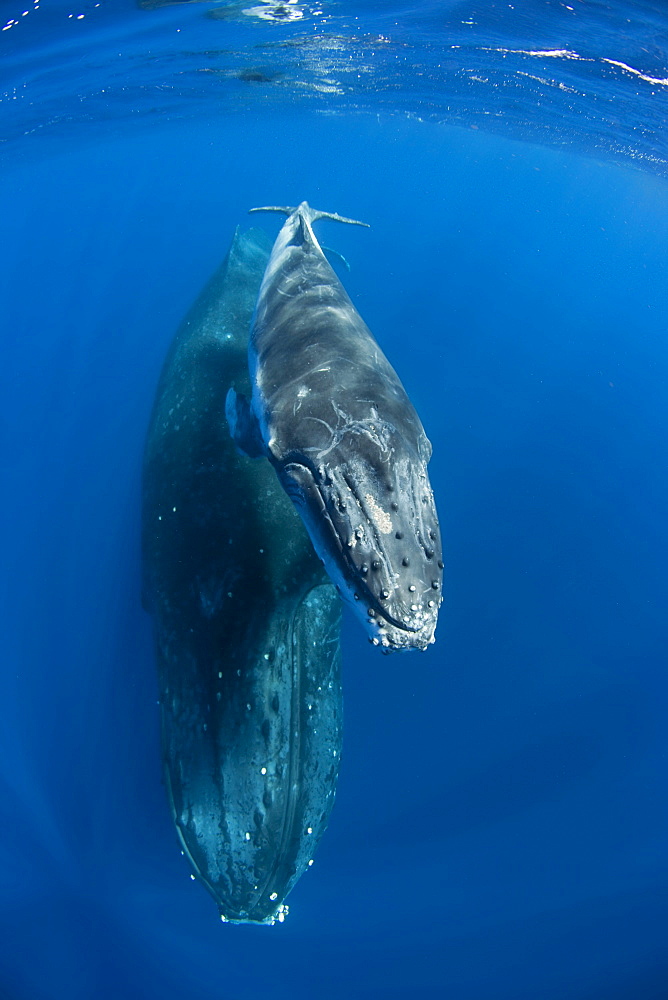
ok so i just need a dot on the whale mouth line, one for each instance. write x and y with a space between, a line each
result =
373 603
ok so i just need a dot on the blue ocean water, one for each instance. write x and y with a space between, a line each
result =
501 825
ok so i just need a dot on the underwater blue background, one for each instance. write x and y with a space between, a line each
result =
501 825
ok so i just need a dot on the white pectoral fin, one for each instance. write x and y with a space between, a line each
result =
243 426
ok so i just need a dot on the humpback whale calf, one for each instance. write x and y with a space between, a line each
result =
329 412
246 622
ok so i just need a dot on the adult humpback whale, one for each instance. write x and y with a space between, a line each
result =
330 413
246 622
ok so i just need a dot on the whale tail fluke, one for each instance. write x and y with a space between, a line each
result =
311 214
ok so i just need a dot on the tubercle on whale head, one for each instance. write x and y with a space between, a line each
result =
380 544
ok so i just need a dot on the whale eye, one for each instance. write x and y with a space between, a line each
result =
406 562
399 535
375 564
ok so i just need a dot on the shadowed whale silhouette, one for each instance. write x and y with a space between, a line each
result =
246 622
329 412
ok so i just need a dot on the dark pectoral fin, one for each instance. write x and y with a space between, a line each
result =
243 425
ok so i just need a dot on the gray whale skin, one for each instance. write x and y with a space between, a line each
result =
246 623
330 414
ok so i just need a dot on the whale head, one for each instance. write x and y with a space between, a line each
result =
375 528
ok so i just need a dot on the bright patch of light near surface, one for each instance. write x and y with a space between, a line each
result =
660 81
